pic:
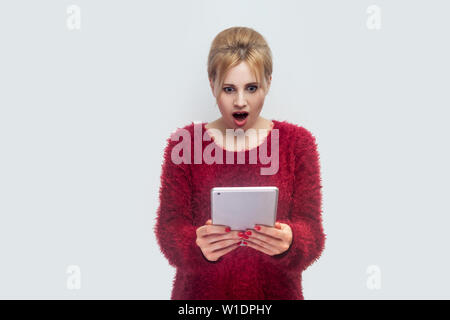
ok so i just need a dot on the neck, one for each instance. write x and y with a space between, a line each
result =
260 123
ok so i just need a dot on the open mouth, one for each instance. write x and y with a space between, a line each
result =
240 115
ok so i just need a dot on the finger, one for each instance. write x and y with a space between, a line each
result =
259 248
209 221
222 244
219 253
278 225
233 235
270 246
269 231
212 229
265 237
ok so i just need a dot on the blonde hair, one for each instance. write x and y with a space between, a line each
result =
232 46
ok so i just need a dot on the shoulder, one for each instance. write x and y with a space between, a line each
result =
301 136
187 127
179 143
184 132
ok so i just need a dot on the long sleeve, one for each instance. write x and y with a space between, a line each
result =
305 219
174 229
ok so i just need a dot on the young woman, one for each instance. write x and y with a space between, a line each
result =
212 261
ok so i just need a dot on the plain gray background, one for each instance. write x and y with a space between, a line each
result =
85 113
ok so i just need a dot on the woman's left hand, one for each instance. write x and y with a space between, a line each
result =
269 240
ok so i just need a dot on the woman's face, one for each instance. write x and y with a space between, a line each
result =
240 93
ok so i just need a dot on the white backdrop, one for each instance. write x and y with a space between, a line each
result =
90 91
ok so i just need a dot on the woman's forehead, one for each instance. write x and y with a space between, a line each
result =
240 75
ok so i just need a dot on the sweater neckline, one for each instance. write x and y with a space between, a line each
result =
266 138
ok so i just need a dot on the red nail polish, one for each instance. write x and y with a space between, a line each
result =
245 237
248 232
245 243
241 234
227 229
257 228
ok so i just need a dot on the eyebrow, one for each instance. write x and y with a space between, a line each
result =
229 84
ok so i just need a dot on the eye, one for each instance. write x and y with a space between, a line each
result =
251 89
256 88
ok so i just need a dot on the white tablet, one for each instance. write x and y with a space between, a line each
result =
241 208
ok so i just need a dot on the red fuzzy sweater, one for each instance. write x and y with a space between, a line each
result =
244 273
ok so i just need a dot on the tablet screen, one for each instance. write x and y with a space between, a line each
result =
241 208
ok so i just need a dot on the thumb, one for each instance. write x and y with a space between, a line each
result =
209 221
277 225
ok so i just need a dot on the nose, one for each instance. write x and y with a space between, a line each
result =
240 101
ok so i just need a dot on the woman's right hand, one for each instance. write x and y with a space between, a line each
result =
215 241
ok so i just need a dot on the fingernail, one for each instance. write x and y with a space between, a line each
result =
245 243
248 233
241 234
244 236
227 229
257 228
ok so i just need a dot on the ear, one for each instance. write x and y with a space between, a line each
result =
268 84
211 83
